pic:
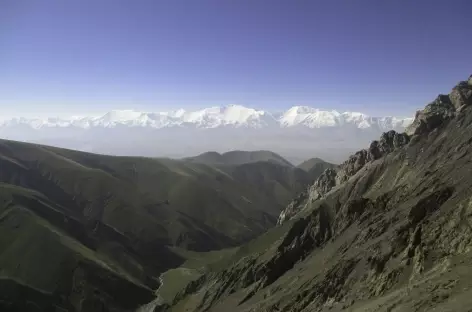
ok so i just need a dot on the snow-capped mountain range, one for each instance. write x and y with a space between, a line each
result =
235 116
298 133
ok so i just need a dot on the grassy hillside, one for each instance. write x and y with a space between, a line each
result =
68 216
191 205
274 182
49 260
239 158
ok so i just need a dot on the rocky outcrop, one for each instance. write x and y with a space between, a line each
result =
330 178
396 235
432 116
321 186
388 142
443 108
303 236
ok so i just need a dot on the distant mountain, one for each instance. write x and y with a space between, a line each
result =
79 230
315 166
239 158
215 117
315 118
297 133
308 164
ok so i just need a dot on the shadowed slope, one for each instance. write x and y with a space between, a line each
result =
142 196
108 223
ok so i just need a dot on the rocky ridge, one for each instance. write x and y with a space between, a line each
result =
332 177
442 108
393 233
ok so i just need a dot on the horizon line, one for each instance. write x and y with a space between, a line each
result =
32 116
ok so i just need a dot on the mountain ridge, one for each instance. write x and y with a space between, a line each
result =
214 117
310 163
296 134
389 229
238 157
79 230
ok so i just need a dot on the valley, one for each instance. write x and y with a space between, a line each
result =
100 216
235 156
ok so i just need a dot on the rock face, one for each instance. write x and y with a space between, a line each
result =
442 108
389 230
87 232
388 142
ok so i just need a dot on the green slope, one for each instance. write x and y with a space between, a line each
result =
111 222
175 202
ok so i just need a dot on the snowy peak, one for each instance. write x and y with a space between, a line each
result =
309 117
121 116
231 115
316 118
301 110
213 117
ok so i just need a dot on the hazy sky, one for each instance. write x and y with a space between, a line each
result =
87 56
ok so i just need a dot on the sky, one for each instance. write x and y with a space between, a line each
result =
74 57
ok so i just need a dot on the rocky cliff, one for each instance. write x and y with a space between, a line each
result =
388 230
433 115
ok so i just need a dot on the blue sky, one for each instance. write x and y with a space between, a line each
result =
379 57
